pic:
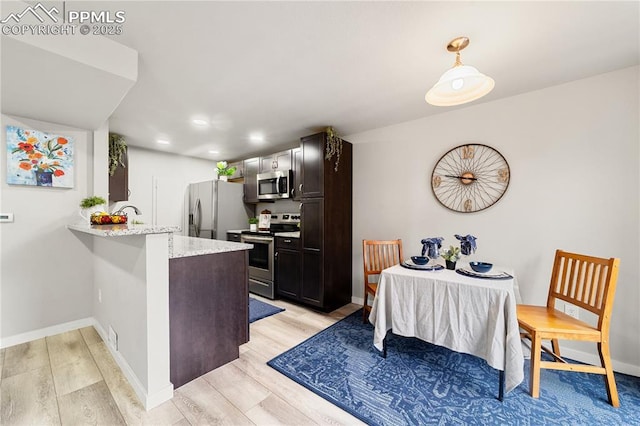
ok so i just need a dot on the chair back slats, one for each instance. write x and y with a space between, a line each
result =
379 255
584 281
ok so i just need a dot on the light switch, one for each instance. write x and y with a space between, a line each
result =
6 217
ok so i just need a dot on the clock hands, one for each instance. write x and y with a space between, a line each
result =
461 177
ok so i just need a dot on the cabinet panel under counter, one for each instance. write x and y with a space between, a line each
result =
208 312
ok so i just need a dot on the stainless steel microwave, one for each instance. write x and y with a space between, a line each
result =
275 185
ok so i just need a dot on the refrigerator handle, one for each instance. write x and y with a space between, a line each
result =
197 218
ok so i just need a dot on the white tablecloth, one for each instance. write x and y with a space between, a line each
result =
464 314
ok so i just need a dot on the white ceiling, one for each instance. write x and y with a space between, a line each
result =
288 69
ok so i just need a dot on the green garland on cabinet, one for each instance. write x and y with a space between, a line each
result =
117 149
334 146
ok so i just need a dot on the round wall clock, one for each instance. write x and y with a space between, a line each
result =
470 178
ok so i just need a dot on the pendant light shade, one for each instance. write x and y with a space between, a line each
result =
460 84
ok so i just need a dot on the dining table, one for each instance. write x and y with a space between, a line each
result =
461 310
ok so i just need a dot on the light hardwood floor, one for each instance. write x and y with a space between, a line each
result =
71 379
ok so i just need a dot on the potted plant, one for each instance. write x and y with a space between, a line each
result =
117 150
91 205
451 256
253 223
224 171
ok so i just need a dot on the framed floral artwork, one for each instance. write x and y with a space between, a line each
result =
38 158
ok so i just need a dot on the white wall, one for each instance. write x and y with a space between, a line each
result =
45 270
574 159
171 174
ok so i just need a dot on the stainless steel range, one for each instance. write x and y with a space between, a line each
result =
261 264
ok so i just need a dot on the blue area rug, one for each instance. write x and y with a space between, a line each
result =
259 310
420 384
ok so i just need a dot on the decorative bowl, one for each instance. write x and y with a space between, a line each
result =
481 267
107 219
420 260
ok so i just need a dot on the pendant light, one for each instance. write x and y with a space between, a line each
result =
460 84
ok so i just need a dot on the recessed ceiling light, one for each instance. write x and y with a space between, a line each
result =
200 122
163 142
214 152
256 137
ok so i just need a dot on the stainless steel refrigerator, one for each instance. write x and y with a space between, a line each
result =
216 207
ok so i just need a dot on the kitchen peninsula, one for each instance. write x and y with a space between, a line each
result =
155 293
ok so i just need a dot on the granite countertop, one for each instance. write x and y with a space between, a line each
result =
121 229
190 246
236 231
295 234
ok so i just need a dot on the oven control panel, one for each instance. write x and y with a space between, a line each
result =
292 218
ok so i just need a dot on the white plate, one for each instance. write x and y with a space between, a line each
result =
491 273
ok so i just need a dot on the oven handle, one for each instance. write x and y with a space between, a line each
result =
256 239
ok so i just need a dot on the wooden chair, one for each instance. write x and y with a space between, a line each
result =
586 282
377 255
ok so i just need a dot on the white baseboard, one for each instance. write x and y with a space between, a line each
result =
45 332
618 367
148 400
357 300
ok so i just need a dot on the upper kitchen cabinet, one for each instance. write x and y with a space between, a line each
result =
251 167
278 161
313 166
239 173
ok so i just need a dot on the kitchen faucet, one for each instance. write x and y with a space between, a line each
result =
121 210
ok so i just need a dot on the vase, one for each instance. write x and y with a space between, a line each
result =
450 265
253 227
44 178
223 178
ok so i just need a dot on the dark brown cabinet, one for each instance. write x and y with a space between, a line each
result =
313 166
119 182
251 168
288 266
234 236
208 312
325 229
278 161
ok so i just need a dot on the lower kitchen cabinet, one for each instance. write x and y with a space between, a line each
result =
208 312
312 236
288 267
234 236
312 292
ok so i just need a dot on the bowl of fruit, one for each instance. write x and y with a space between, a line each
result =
104 218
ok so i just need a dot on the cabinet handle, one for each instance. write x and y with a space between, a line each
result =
293 192
287 241
300 188
276 256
